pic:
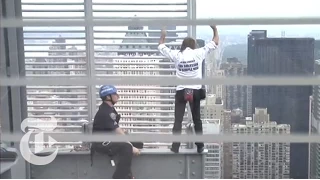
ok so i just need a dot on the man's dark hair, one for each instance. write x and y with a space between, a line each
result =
188 43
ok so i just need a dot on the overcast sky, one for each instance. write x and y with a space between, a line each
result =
220 8
261 8
257 8
205 9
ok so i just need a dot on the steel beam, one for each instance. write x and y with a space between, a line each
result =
151 164
4 90
16 96
91 59
115 21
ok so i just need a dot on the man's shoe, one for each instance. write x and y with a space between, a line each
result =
8 154
200 150
174 150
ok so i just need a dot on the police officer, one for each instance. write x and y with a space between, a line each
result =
106 120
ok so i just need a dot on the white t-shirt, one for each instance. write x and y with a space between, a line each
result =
188 63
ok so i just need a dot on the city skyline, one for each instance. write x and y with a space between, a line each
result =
131 51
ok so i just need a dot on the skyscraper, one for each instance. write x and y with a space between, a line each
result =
227 146
236 95
286 104
317 49
211 107
260 160
213 159
315 128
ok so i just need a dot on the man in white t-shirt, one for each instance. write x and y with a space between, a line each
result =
188 63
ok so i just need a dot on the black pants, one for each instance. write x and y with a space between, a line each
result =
179 110
124 152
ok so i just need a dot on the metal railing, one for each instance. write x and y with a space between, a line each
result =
92 62
102 51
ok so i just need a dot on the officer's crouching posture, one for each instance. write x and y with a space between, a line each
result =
106 120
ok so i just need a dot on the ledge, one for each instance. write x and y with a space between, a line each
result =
5 166
143 151
151 164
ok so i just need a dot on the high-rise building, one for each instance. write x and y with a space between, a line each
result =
139 49
211 107
260 160
141 103
59 61
220 89
211 70
226 146
236 95
317 49
314 171
286 104
213 159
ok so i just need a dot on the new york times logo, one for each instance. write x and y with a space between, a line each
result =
39 141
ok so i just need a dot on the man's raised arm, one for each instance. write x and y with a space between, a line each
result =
164 50
163 36
215 37
209 47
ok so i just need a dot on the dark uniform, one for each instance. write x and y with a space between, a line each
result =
106 120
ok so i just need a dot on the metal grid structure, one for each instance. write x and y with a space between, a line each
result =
103 51
90 35
60 52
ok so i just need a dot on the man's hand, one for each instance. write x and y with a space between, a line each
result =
163 32
135 151
215 34
163 35
213 27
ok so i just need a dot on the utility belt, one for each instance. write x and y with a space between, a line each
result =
189 94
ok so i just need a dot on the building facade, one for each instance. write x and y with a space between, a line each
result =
253 160
213 160
314 151
236 95
285 104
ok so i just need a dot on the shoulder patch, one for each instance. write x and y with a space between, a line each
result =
113 116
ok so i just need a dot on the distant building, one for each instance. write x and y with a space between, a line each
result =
317 49
226 146
285 104
132 40
314 161
236 95
260 160
60 60
220 90
213 160
237 116
212 108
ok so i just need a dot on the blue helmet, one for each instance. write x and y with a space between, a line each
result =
107 90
